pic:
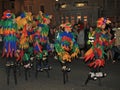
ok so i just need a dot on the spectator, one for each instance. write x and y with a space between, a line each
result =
86 30
80 38
90 37
116 48
52 38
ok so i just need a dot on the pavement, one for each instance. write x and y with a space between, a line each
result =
77 77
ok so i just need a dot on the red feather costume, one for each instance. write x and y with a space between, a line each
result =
95 55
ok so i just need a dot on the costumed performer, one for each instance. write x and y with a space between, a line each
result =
95 56
66 46
41 45
9 27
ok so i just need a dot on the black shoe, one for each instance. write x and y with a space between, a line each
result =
64 68
12 63
101 74
92 75
27 66
47 68
7 64
68 69
39 69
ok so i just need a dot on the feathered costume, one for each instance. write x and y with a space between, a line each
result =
41 46
65 45
95 55
23 21
9 31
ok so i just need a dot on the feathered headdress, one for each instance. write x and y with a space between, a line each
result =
6 14
66 25
9 32
101 21
43 17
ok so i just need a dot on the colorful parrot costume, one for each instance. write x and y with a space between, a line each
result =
23 22
27 59
66 46
1 28
41 46
95 55
23 19
9 31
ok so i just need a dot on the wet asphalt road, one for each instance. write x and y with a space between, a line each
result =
77 77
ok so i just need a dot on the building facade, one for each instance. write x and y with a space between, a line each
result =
87 10
66 10
15 6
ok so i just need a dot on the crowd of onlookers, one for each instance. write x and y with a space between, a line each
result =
84 35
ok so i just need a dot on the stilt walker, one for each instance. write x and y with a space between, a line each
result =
95 56
66 48
23 22
9 27
41 43
25 50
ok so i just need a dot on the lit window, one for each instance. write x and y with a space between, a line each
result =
80 4
78 17
63 5
85 18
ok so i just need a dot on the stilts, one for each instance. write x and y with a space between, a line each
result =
97 75
10 64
